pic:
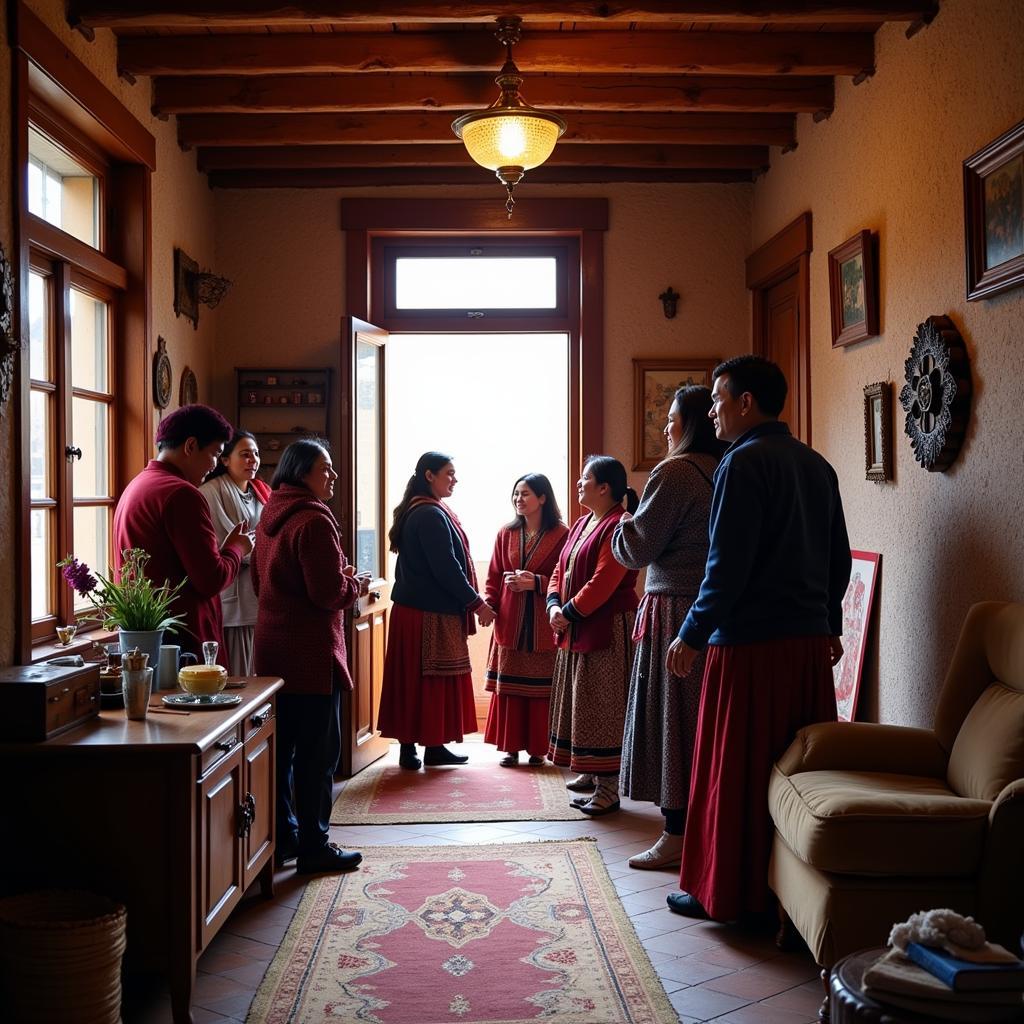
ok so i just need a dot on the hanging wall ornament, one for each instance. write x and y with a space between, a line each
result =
8 342
937 394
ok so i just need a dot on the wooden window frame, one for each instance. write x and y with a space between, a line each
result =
56 93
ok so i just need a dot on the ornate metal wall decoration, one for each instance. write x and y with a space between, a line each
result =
162 376
670 300
8 342
937 393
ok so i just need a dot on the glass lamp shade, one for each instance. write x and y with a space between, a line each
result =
517 137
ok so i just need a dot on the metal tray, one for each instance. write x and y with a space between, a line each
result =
214 702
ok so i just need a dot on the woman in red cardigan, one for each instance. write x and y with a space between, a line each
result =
591 605
522 654
304 584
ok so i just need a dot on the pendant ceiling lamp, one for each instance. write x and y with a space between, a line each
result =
510 136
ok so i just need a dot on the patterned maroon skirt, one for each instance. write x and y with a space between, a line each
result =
415 708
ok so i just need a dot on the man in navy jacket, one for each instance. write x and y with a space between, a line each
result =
770 611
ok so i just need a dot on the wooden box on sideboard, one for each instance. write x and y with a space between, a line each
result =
38 702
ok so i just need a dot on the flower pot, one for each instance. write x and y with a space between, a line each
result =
137 686
148 641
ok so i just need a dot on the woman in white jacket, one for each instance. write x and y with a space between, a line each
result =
236 496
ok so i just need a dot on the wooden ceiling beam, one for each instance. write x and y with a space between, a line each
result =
622 53
427 156
381 128
354 93
136 14
358 177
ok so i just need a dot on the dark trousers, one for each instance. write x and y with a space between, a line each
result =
308 747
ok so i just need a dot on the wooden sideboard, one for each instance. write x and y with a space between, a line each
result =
172 816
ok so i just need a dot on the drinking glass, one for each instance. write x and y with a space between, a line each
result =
210 649
65 634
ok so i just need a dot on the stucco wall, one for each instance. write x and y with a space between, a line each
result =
890 159
285 251
182 215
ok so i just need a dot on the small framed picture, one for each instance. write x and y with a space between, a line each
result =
994 215
860 593
271 382
853 290
655 381
878 432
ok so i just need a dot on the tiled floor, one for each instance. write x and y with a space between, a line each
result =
710 971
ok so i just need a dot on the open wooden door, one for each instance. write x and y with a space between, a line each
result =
364 529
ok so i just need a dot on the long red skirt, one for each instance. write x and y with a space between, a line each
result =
415 708
754 698
518 723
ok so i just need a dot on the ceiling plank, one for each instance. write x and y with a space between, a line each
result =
743 53
380 128
422 156
353 93
135 14
352 177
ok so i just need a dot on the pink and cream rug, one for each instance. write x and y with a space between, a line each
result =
385 794
502 934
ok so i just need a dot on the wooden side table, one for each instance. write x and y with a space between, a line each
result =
850 1005
173 816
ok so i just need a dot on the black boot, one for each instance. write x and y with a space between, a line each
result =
408 758
442 755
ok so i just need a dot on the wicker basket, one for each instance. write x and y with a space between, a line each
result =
60 957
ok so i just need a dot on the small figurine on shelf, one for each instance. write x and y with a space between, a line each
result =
268 399
313 398
296 398
250 398
283 399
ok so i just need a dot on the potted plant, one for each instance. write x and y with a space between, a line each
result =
135 606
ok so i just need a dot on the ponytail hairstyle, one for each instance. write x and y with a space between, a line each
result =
550 513
698 431
607 470
418 486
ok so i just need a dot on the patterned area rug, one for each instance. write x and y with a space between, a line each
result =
502 934
388 795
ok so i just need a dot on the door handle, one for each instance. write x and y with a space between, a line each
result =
374 595
72 452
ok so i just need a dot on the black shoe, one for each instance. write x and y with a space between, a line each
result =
435 756
408 758
331 858
687 905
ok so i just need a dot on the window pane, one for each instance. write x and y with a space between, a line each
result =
368 402
39 326
92 543
61 190
89 342
40 452
475 283
90 424
43 562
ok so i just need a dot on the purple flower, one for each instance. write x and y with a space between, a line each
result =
78 575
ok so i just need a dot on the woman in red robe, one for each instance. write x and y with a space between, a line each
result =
522 654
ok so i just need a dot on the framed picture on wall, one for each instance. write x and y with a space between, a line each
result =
878 431
655 381
853 290
846 673
994 215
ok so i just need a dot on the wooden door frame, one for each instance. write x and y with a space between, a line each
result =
363 220
786 254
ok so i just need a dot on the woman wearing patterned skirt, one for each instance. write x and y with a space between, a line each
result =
668 535
427 695
591 605
522 654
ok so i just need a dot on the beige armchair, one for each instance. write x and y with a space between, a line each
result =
875 822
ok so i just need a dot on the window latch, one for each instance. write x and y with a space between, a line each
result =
72 452
474 315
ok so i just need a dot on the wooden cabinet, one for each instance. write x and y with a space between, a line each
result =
281 405
172 816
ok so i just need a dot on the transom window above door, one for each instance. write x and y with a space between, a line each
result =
471 280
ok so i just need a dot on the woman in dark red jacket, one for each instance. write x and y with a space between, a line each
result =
304 583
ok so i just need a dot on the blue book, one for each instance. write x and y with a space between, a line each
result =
964 975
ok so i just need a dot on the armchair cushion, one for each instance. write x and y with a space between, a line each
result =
989 750
877 823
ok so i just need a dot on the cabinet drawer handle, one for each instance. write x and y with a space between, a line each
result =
229 744
246 815
261 717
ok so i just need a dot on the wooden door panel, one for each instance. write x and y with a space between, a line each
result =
259 784
220 795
